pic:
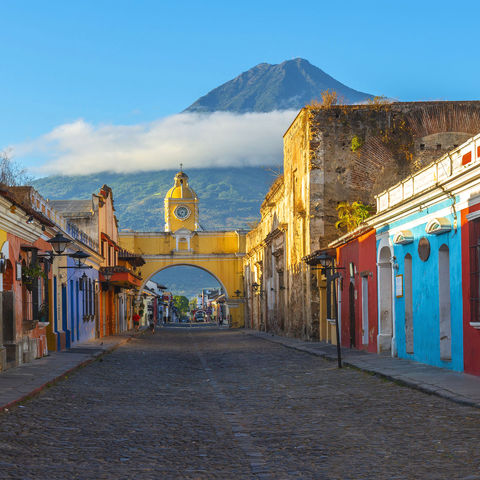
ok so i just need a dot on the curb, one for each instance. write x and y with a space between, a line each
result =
427 389
58 378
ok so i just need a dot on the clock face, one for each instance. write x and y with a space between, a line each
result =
182 212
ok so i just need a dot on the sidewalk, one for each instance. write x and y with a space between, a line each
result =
19 383
458 387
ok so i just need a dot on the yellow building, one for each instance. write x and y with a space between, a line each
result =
183 242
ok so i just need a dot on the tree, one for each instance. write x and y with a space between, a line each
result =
11 172
351 215
181 303
379 100
192 304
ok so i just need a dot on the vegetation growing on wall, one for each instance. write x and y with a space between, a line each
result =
357 142
379 101
329 98
351 215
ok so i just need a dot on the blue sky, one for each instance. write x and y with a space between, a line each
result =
109 64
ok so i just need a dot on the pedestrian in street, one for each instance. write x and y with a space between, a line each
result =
136 321
152 327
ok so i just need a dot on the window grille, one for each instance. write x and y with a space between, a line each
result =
475 271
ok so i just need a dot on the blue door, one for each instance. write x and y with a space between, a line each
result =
65 316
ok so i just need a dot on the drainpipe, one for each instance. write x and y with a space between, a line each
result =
393 348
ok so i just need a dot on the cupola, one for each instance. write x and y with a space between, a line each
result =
181 205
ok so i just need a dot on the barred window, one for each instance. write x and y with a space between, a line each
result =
475 270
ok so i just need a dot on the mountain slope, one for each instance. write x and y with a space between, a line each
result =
264 88
229 197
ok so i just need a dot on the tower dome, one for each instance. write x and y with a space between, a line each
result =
180 188
181 205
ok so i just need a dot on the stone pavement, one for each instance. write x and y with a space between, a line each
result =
19 383
208 404
458 387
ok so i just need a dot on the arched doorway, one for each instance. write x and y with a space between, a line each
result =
385 323
408 280
444 303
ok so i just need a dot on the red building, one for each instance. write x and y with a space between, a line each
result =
356 259
470 227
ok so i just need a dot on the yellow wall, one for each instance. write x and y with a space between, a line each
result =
3 237
201 242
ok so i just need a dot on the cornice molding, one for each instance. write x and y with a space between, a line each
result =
193 257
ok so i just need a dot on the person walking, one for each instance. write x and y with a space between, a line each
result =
151 326
136 321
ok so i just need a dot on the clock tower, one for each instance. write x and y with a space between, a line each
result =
181 206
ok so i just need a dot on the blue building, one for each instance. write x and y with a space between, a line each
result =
81 298
421 253
419 260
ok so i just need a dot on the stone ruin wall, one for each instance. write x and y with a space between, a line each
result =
299 318
395 140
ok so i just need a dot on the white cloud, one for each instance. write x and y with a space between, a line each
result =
219 139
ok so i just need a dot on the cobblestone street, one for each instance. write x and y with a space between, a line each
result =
219 404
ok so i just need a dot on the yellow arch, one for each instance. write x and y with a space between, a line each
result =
218 253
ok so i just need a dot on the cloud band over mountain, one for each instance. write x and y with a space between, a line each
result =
219 139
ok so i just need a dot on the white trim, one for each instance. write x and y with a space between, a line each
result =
438 225
473 215
403 237
421 220
441 171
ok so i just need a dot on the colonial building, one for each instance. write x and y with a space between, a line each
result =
331 155
24 282
111 293
422 271
71 304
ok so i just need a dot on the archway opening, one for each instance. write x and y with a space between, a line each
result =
191 295
385 330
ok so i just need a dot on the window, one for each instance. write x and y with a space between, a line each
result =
474 270
408 304
444 303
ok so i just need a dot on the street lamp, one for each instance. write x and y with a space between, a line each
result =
328 266
83 281
80 258
107 275
59 243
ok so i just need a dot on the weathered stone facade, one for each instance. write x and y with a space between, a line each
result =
335 154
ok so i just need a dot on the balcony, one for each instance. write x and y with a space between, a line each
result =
120 276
